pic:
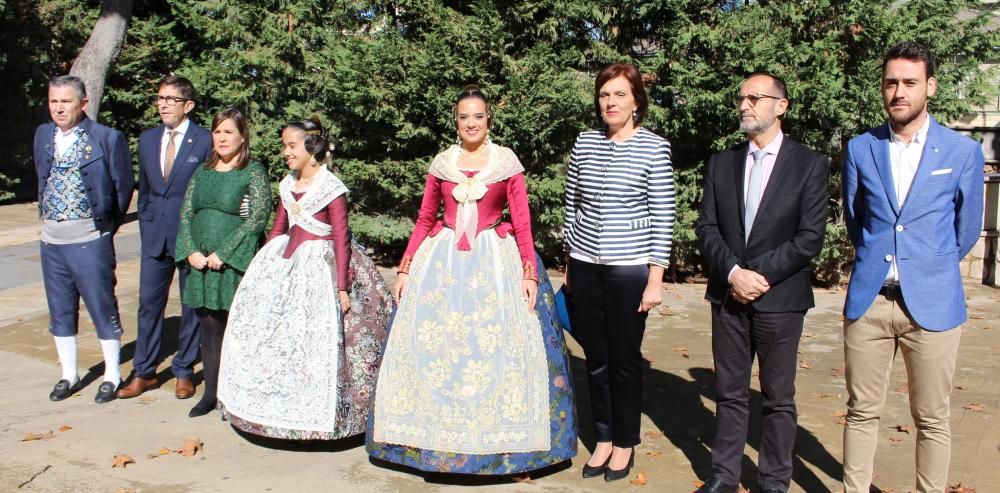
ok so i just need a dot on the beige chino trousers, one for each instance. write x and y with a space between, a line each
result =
870 346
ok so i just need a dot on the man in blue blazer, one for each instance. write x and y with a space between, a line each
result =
913 201
168 157
85 185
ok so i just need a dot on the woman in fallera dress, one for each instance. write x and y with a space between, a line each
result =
225 211
475 377
308 322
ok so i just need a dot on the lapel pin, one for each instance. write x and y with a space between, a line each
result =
87 149
190 141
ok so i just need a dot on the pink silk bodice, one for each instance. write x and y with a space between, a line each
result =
512 193
334 214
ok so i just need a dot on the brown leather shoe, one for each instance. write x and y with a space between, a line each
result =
184 388
136 387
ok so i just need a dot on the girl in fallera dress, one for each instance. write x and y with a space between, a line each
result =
475 376
225 211
308 323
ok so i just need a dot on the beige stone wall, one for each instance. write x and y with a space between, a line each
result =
972 264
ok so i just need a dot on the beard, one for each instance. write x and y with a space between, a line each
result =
757 125
904 117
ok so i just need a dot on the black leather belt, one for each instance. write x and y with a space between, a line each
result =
891 292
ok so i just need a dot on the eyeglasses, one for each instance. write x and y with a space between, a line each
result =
752 98
169 100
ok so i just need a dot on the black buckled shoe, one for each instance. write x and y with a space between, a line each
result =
106 392
62 390
613 475
715 485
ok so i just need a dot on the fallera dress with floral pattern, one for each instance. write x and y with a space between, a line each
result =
292 366
472 381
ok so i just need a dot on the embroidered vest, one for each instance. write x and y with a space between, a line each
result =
65 195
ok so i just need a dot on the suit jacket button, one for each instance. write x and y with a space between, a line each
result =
899 228
888 258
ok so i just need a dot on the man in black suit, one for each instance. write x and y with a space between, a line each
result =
168 157
762 220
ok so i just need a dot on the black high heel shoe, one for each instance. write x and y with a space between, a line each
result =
202 408
590 471
613 475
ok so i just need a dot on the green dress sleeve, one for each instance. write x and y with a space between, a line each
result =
184 246
238 250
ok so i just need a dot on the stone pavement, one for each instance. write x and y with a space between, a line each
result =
677 424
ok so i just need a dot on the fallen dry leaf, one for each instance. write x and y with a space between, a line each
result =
974 407
121 460
805 364
30 437
976 317
640 479
959 387
699 484
903 429
654 434
958 488
996 347
679 349
65 428
665 311
835 372
654 452
822 395
191 446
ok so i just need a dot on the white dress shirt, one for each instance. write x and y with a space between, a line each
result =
772 155
178 140
904 158
64 140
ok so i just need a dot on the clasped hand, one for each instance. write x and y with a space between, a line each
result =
199 261
747 285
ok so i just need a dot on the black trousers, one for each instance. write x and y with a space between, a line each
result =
213 327
738 334
609 326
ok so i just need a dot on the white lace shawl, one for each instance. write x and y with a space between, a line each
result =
325 188
501 164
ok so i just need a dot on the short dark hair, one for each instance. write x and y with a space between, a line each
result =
240 121
70 81
183 85
913 51
779 83
317 139
631 73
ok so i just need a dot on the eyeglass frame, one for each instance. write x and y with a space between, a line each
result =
169 100
753 99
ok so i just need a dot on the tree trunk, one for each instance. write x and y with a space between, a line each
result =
103 46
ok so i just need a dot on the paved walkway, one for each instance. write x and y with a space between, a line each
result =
677 425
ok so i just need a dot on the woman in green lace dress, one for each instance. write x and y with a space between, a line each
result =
226 208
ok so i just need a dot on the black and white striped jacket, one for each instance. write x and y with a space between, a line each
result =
620 199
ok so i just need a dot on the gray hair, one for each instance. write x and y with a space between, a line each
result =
70 81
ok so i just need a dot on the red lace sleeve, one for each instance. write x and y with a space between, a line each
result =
520 219
341 240
280 223
425 220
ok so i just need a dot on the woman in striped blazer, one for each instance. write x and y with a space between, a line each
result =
618 228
